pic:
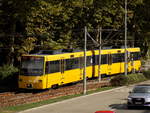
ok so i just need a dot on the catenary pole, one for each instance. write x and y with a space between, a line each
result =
84 74
100 48
126 62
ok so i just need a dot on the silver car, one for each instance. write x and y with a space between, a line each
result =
139 96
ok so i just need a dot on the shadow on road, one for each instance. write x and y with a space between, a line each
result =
124 107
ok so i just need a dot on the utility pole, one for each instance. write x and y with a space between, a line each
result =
84 74
126 62
100 48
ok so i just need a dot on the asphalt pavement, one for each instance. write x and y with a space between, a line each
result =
114 99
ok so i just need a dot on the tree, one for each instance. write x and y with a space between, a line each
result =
46 24
142 26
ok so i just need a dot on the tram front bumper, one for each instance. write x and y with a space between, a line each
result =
26 84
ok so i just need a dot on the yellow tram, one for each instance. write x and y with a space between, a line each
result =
48 70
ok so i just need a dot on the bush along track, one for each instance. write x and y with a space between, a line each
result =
122 80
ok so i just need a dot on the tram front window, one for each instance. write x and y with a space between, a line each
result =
32 66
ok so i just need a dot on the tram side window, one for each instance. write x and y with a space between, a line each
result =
109 59
52 67
72 63
89 60
81 62
96 59
136 55
118 58
103 59
122 56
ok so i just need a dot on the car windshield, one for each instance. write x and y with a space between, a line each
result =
32 66
141 89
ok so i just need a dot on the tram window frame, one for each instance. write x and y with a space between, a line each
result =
110 59
72 63
52 67
103 59
89 61
116 58
81 62
136 55
30 66
96 59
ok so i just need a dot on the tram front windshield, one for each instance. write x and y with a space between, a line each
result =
32 66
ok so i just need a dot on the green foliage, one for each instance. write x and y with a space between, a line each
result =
27 45
58 24
142 25
7 71
134 78
119 80
129 79
147 74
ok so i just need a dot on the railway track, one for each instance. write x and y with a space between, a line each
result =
19 98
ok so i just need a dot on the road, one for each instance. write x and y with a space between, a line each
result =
108 100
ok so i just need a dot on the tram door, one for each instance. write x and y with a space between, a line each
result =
109 59
81 62
62 69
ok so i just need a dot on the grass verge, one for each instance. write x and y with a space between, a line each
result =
14 109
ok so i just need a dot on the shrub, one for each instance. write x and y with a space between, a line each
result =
134 78
7 72
147 74
119 80
129 79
